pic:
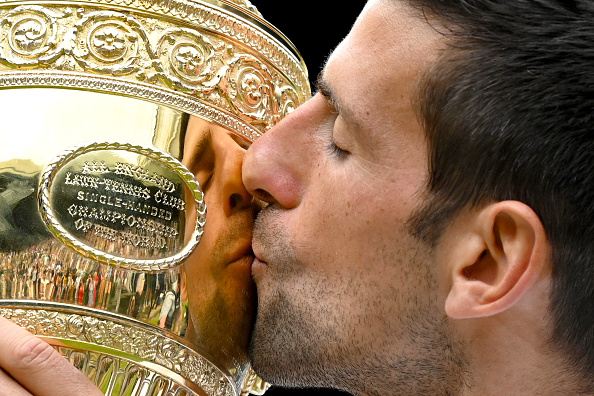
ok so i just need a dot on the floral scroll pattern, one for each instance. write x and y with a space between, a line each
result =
117 377
149 52
29 35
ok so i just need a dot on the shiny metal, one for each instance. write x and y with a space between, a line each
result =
124 228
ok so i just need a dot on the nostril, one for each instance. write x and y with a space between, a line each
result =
262 195
234 200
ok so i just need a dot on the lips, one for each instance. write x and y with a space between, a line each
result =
243 261
244 253
258 268
248 255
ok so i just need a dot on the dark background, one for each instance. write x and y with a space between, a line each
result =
315 28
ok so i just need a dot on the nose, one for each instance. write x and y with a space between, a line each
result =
277 164
235 197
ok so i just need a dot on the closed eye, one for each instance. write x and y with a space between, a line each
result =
336 151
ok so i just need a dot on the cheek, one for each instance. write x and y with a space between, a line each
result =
212 229
339 235
198 273
238 287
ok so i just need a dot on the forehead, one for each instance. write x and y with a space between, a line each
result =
376 69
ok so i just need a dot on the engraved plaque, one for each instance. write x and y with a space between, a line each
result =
122 205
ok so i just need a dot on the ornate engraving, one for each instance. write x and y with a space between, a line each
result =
191 64
32 35
102 210
29 35
250 89
187 54
108 42
116 377
107 84
247 5
127 338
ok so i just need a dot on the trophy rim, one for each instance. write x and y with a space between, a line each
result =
257 19
22 312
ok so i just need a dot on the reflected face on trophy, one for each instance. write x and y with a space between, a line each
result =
216 278
207 297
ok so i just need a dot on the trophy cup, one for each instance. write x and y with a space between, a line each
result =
124 227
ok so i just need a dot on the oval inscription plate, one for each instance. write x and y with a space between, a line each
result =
122 205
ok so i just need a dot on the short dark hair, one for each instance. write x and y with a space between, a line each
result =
509 115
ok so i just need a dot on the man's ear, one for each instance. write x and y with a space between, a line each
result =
501 254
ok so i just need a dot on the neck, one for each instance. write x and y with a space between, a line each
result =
512 354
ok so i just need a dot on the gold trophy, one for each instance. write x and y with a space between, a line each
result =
124 226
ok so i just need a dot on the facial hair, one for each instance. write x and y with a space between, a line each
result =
220 321
299 342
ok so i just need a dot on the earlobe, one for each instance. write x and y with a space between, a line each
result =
502 256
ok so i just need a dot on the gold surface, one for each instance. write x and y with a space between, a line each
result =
68 271
142 224
234 70
100 223
119 353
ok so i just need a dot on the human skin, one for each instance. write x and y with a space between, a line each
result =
347 296
216 277
31 366
335 233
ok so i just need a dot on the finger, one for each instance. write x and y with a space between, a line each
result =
37 366
8 386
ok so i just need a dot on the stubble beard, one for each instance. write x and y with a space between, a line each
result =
218 324
296 342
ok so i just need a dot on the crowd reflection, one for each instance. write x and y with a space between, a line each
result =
51 271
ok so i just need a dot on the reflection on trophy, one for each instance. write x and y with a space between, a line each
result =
125 228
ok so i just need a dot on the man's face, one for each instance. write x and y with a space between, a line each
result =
217 279
342 285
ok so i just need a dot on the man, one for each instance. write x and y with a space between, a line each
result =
216 278
429 221
429 227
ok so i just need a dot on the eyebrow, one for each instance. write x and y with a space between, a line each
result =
325 89
202 146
